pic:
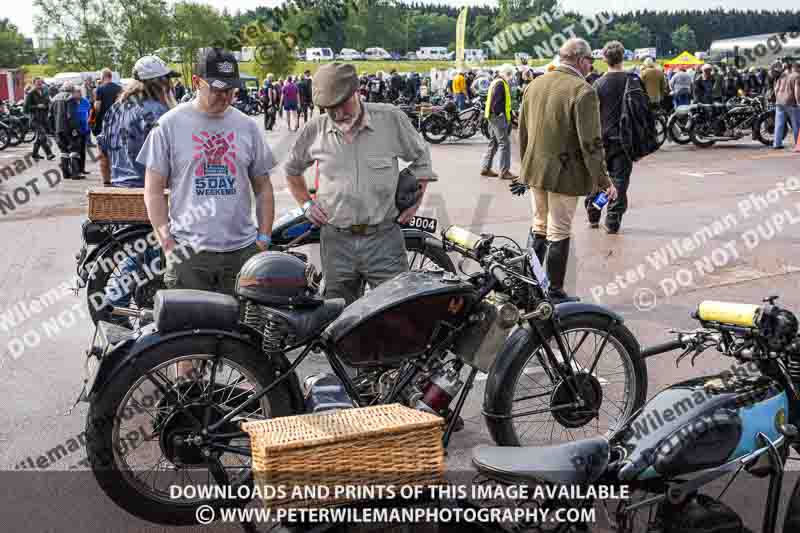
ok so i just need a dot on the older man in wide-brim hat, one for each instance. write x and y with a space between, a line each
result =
357 146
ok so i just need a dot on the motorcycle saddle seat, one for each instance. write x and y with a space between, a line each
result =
306 323
570 463
182 309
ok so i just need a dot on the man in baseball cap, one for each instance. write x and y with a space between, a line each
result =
214 160
216 78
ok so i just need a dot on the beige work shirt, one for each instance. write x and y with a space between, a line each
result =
358 180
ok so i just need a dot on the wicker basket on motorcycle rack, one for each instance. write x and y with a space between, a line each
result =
118 204
330 458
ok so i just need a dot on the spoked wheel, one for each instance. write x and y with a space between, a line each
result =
124 279
435 129
609 377
765 129
661 130
5 138
470 120
678 129
700 135
145 431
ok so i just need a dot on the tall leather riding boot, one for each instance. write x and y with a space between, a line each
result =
539 243
557 256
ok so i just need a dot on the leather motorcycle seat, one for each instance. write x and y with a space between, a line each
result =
307 323
578 462
182 309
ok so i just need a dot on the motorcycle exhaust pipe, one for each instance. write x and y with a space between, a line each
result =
141 314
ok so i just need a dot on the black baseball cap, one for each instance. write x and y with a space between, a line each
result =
218 67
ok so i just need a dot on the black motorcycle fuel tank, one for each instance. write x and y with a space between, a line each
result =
397 319
696 424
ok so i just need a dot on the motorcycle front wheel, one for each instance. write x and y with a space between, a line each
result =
533 397
764 129
142 434
5 138
435 129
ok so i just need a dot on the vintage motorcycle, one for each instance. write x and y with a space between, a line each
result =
450 122
114 267
728 121
688 435
165 401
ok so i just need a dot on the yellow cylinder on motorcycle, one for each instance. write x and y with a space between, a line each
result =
462 237
735 314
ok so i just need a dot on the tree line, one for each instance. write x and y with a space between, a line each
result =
96 33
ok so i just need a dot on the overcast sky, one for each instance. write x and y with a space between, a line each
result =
21 13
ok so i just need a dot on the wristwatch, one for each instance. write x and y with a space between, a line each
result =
263 237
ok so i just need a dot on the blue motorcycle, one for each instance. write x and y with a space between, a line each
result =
688 435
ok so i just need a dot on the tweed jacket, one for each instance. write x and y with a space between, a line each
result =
560 138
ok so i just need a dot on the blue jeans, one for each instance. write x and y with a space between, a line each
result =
794 119
682 99
783 112
461 101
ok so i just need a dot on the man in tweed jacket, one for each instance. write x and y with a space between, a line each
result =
561 150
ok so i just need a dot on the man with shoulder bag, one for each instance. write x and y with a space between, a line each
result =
625 116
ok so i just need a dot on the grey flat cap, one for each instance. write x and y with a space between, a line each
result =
333 84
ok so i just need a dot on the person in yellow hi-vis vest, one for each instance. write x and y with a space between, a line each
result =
460 89
498 113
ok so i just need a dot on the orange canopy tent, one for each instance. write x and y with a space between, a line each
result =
684 59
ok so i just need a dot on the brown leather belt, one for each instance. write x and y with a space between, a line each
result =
364 229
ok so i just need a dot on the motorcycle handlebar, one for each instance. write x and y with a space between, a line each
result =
500 275
664 347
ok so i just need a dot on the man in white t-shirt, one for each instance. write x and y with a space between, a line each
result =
206 151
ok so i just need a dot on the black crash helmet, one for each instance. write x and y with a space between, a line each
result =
275 278
450 107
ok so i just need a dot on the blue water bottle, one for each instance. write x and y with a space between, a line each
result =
600 200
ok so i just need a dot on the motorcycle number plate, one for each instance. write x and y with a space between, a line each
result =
423 223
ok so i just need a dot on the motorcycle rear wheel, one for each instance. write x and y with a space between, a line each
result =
698 137
116 461
531 369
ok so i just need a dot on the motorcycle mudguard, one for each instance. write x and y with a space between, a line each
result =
140 230
523 341
129 351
